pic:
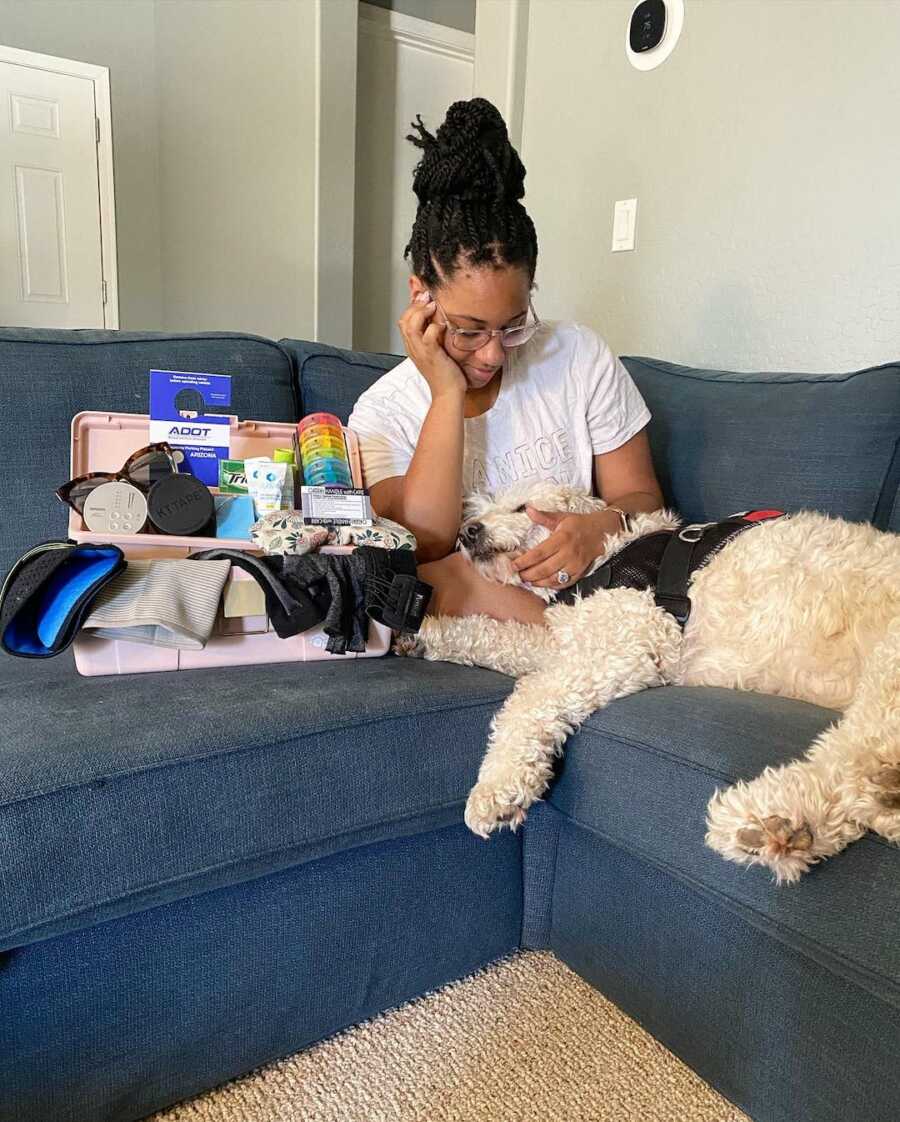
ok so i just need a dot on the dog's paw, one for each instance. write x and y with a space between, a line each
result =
878 807
488 808
785 846
887 783
776 837
408 646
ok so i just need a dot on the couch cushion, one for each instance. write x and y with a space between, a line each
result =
331 379
120 793
641 772
46 377
724 442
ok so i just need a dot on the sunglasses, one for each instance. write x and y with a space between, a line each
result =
142 469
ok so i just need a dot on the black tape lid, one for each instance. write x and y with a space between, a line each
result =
180 504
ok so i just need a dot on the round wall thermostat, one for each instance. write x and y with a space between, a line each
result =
653 31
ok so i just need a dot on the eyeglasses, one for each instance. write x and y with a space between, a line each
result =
510 337
142 469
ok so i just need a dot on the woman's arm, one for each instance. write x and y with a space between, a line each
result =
625 478
428 499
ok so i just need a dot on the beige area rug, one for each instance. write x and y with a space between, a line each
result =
523 1040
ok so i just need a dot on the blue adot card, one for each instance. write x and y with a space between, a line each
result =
190 411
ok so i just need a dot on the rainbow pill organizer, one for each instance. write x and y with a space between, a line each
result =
323 452
103 442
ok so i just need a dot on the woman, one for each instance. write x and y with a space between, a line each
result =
489 396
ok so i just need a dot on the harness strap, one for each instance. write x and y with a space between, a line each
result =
634 566
689 550
665 561
674 573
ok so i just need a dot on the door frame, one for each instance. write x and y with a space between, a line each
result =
99 75
501 54
424 34
501 57
335 171
421 37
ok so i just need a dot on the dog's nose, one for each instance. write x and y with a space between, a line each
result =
471 531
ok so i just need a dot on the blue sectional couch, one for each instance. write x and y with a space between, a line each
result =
201 872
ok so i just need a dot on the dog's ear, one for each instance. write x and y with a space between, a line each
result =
576 501
474 504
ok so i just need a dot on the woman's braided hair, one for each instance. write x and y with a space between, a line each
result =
468 184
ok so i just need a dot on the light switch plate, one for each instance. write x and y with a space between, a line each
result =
624 221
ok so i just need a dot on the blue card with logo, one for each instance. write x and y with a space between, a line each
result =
191 411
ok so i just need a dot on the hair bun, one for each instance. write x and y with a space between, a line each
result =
470 157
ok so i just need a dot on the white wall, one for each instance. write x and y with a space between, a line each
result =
237 163
765 156
120 36
768 231
215 106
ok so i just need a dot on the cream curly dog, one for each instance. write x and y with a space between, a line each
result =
805 606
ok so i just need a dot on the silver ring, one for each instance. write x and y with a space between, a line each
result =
563 577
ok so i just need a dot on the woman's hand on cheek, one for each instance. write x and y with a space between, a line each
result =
424 342
575 542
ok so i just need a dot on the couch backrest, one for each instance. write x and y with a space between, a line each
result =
46 377
330 379
724 442
721 441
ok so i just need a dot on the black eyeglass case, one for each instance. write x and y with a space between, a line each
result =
49 591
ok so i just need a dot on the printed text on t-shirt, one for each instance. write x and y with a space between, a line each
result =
533 458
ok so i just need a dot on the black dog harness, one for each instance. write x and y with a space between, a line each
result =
666 560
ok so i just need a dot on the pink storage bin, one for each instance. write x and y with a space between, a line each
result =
103 442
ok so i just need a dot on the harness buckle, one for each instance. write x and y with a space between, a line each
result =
694 532
677 606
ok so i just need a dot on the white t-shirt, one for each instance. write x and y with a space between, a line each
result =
564 397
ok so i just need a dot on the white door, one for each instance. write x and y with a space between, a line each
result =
406 66
51 260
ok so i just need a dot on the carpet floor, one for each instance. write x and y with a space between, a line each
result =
522 1040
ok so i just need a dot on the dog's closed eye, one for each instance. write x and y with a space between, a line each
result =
520 509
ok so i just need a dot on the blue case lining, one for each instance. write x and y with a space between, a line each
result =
37 633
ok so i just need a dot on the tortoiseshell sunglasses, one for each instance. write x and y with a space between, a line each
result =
142 469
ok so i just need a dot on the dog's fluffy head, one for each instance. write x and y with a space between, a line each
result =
496 529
